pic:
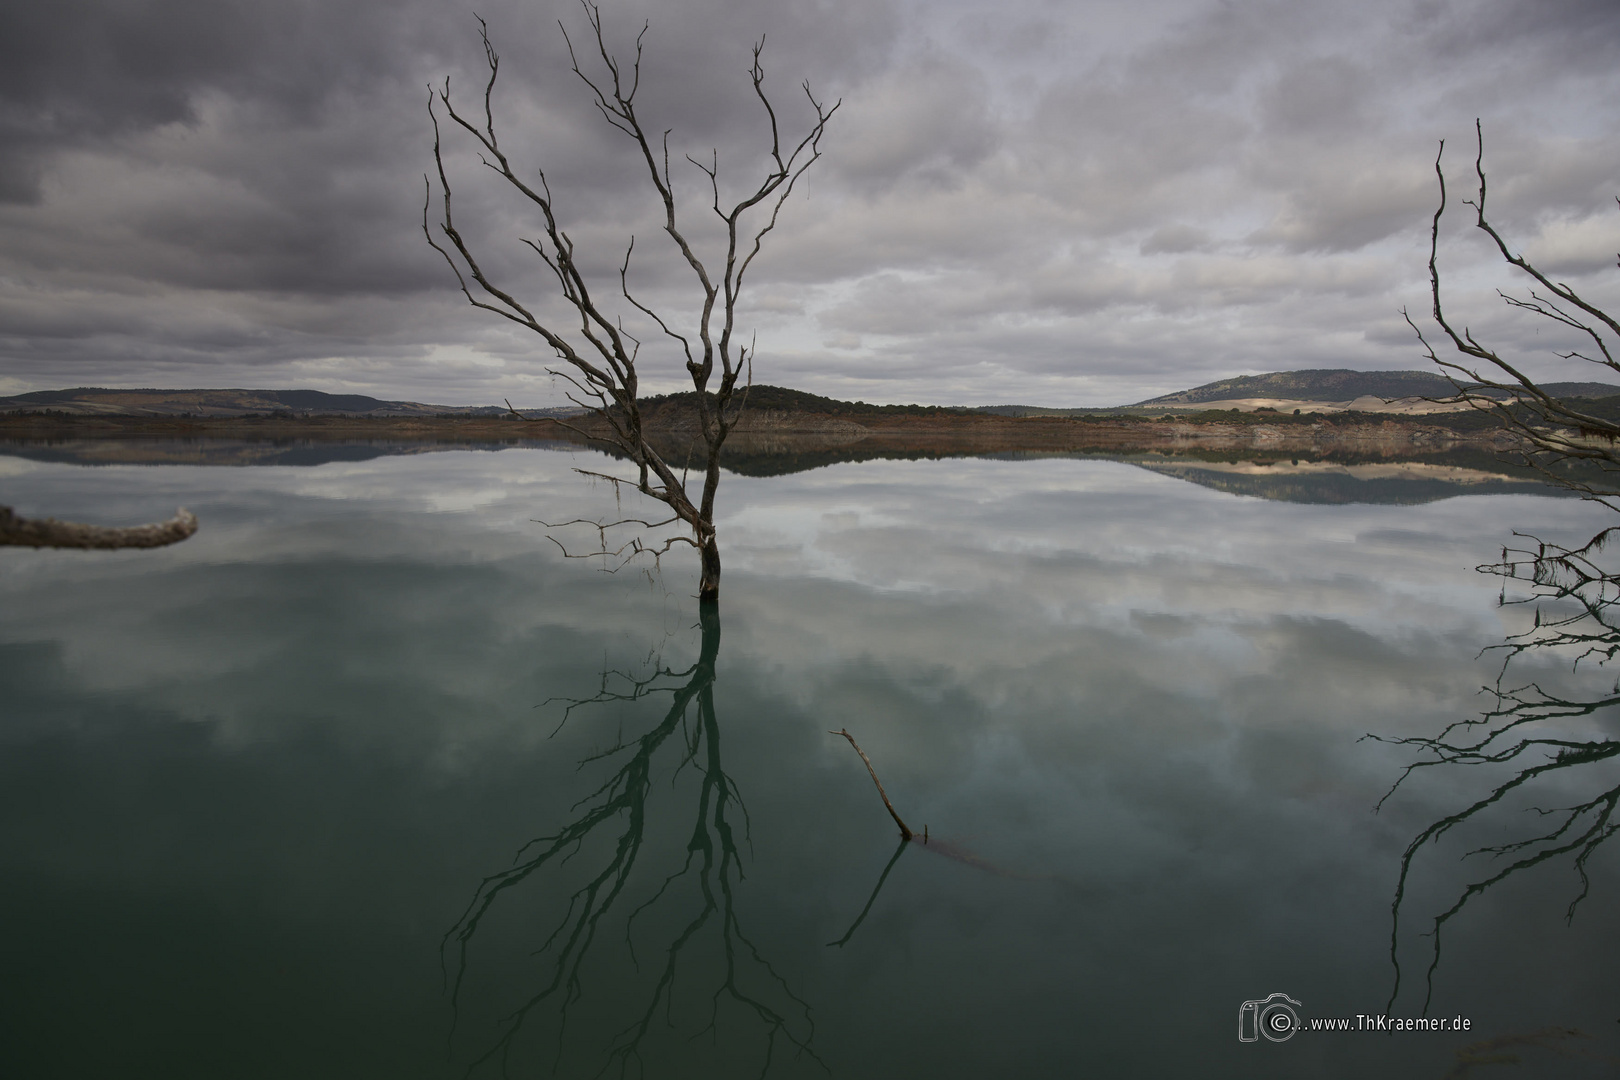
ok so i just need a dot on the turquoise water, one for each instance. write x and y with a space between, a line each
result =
276 801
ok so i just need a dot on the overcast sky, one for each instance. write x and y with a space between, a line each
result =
1038 202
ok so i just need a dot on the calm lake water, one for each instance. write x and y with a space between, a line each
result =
367 780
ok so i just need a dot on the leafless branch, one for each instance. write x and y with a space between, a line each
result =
1554 430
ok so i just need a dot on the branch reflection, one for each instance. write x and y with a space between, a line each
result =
905 842
1535 743
710 967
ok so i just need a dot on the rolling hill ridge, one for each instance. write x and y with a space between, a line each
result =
1341 384
1333 389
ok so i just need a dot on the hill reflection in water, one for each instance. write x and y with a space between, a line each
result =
1286 477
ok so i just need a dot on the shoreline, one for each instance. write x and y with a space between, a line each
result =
767 431
767 443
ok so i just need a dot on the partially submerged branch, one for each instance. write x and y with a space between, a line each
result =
905 832
25 532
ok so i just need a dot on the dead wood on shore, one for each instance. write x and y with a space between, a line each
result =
25 532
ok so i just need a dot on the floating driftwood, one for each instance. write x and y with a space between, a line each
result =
24 532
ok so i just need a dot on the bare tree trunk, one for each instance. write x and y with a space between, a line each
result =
709 585
709 650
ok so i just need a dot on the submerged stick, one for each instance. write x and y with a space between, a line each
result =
25 532
905 833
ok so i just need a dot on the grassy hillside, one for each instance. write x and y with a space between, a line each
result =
762 398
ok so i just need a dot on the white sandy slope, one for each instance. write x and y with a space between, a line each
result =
1410 406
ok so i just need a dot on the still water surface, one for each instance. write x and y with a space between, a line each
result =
366 779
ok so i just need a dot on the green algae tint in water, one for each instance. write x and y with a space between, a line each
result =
367 780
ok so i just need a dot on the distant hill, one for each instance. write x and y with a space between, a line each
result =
1324 386
93 401
762 398
1340 384
1042 410
99 401
1331 384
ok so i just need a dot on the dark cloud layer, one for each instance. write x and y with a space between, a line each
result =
1018 202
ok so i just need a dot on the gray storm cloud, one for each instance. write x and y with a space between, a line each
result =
1082 204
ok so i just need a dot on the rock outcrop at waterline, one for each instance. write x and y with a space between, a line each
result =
24 532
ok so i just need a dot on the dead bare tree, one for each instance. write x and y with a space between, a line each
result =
1555 431
599 355
1531 739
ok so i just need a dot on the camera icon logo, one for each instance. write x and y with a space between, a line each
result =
1273 1017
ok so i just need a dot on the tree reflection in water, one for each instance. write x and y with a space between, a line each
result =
1531 737
613 819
